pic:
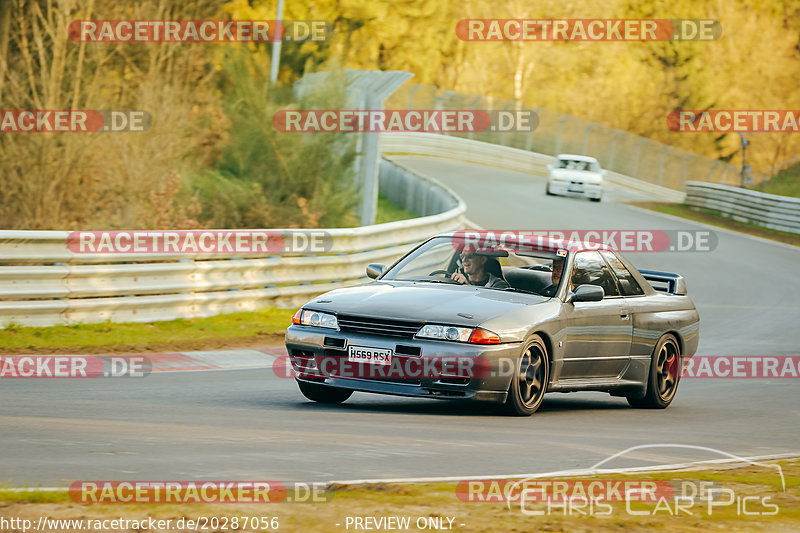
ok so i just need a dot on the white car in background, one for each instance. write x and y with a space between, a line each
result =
575 175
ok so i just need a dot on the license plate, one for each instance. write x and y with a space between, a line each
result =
575 188
373 356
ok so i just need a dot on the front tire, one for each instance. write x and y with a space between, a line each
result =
665 373
530 379
547 190
323 394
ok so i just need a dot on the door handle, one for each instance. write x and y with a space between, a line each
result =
625 314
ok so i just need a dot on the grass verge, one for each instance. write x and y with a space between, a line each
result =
784 183
713 218
390 212
258 328
773 508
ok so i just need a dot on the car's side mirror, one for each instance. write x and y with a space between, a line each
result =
375 269
587 293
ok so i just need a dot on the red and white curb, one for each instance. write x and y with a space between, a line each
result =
214 360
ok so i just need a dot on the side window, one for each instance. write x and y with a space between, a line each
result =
627 284
590 269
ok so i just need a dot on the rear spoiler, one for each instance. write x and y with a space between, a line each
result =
667 282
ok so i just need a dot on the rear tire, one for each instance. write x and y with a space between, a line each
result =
323 394
665 373
530 379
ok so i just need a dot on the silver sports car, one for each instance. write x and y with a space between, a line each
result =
506 322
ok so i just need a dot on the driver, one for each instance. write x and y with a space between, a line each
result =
555 279
474 273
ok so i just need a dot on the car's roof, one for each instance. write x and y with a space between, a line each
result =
577 157
521 241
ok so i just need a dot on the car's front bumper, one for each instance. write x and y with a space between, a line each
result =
490 383
565 188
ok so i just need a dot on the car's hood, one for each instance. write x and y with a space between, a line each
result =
582 175
425 302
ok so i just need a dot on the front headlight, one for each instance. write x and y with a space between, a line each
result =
445 333
304 317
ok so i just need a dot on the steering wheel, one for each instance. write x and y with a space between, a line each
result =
440 271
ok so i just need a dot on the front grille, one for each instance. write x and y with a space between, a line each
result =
379 326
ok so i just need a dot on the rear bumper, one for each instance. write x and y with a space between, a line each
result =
486 380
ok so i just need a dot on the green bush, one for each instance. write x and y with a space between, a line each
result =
267 178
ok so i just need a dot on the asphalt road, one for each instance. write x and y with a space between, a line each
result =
250 424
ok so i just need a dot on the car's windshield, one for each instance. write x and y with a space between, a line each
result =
575 164
439 259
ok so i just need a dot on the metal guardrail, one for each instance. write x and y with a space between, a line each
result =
768 210
43 282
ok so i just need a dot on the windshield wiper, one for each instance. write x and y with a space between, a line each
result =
432 280
514 289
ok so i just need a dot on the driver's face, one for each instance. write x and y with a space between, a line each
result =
558 269
473 264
